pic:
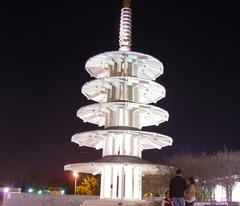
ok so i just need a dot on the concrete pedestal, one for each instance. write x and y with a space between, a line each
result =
109 202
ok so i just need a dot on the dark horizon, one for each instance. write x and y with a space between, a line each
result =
43 51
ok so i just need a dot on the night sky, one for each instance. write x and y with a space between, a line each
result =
43 50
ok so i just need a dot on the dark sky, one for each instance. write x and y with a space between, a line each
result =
43 49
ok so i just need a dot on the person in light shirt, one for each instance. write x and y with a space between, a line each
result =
190 194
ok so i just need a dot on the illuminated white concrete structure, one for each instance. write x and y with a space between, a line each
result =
123 90
220 193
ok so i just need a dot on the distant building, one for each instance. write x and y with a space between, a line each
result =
221 196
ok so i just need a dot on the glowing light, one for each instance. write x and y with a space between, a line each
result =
30 190
6 189
236 192
62 192
75 174
39 192
220 193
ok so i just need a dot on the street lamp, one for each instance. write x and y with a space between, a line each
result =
75 174
6 189
30 190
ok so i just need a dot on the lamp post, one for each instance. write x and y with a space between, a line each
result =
75 174
5 191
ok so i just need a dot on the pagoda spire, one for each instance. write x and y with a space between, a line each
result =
125 32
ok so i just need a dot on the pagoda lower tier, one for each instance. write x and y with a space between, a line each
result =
122 141
121 175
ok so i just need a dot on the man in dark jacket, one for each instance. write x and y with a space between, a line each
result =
177 187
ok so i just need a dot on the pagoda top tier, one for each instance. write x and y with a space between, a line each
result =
119 63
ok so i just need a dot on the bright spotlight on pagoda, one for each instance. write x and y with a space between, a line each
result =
123 89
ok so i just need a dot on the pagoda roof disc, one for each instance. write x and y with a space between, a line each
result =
97 166
148 140
125 159
145 91
111 64
147 115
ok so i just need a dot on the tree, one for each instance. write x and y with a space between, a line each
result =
157 185
89 186
228 165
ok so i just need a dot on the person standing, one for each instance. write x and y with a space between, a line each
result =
177 187
191 191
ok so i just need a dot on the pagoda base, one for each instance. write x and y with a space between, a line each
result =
110 202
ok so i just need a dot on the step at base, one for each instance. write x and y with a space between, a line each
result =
116 203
